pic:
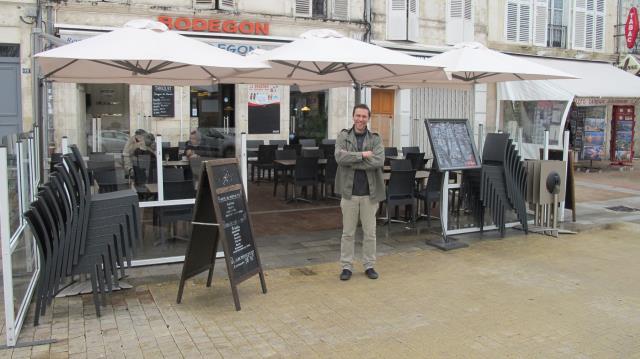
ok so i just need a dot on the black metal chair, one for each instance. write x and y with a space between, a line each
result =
329 177
305 174
401 165
279 143
401 192
173 190
294 146
280 171
430 194
390 151
328 141
328 150
410 149
417 160
311 153
308 142
266 155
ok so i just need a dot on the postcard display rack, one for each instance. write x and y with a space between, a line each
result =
622 135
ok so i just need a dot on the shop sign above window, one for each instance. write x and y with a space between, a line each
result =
215 25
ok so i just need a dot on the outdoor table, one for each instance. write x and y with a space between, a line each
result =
178 163
289 165
420 175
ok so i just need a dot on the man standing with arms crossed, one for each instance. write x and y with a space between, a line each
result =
360 157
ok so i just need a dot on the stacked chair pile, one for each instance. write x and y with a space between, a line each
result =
503 180
81 234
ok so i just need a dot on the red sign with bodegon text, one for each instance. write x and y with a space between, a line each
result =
631 28
214 25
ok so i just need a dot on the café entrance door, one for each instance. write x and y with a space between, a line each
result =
382 103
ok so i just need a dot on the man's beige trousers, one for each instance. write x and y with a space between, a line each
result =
364 209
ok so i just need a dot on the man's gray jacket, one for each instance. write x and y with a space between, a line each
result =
350 159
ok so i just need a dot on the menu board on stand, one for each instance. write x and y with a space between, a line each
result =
221 215
622 135
453 150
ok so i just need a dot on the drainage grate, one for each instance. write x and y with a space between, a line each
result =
622 209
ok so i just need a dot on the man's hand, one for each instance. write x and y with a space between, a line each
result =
367 154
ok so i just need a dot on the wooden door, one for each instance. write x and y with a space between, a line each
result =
382 114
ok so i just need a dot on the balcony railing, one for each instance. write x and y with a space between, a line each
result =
556 36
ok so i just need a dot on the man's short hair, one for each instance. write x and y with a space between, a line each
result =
363 106
140 132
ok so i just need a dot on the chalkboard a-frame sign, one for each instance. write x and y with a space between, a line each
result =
452 145
221 215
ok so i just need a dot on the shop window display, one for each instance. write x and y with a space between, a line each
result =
533 118
309 115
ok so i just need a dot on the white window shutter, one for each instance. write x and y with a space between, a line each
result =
341 9
588 36
524 25
469 25
540 22
396 19
579 25
413 25
511 21
226 4
455 22
204 2
303 8
599 29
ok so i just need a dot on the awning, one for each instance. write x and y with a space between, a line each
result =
596 79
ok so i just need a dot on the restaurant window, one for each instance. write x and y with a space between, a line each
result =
532 118
107 108
212 107
309 115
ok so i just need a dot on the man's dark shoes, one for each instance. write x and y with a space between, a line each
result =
345 275
371 273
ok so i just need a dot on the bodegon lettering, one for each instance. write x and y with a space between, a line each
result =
214 25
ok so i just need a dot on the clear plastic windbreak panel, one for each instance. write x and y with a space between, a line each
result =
14 194
23 263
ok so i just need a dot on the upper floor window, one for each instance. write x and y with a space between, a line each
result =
335 9
588 25
403 20
218 4
459 26
557 28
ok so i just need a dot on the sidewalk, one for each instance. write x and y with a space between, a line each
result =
523 296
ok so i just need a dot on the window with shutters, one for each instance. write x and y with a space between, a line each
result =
311 8
340 9
518 21
217 4
459 24
589 25
403 17
557 29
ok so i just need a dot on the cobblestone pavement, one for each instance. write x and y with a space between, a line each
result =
522 297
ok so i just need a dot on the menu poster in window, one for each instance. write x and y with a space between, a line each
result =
451 143
264 109
162 101
221 215
593 139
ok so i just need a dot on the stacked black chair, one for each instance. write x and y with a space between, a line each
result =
503 180
401 192
80 234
